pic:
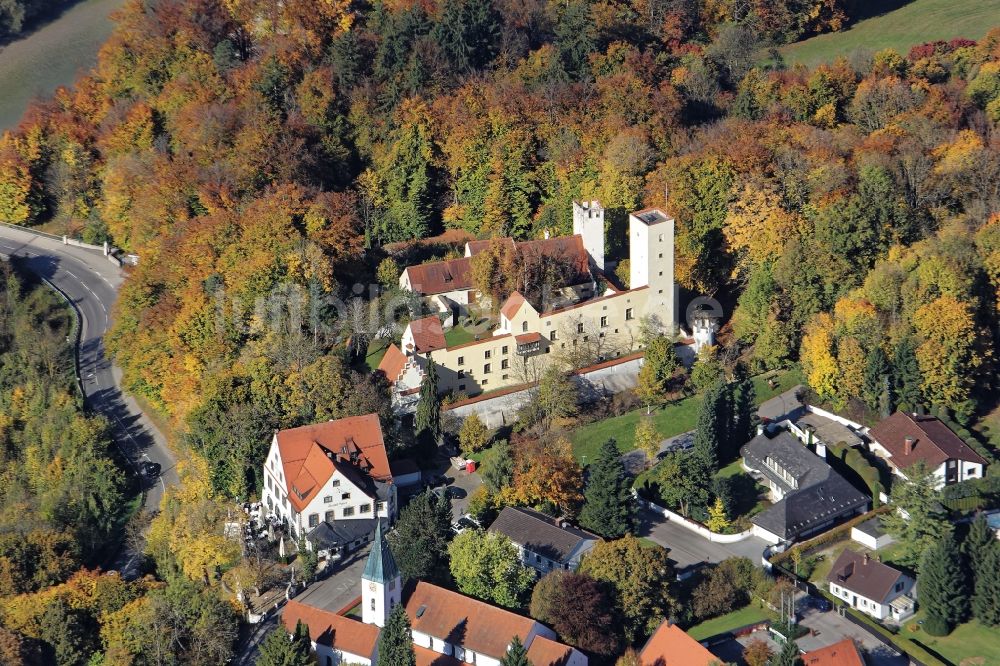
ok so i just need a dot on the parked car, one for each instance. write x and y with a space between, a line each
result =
150 469
466 522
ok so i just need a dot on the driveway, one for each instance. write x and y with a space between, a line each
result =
341 586
829 627
689 549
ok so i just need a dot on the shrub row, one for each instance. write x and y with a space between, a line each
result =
835 535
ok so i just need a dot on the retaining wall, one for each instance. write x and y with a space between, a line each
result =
686 523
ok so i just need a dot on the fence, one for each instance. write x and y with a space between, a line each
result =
690 524
109 252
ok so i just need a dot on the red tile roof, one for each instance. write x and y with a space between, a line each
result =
844 653
326 628
670 646
428 334
482 628
512 305
310 454
475 247
427 657
566 248
528 338
439 277
392 363
547 652
933 441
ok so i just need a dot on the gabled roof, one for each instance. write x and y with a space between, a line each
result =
863 575
464 621
381 565
439 277
341 533
567 249
428 334
512 305
671 646
547 652
330 629
472 248
933 441
539 533
311 454
822 494
392 363
428 657
844 653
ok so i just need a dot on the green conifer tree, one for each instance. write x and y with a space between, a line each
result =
516 654
943 587
427 422
280 649
609 510
712 433
986 597
788 656
395 642
906 376
875 386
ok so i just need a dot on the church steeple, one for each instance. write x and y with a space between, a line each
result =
381 586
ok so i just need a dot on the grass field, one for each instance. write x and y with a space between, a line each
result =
914 23
671 419
729 621
52 56
970 643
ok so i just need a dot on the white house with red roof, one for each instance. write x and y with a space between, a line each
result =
448 628
904 439
330 482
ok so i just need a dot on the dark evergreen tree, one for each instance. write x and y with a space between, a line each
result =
427 422
420 540
516 654
608 510
498 467
280 649
575 38
875 388
906 376
469 33
943 587
395 642
712 435
744 408
788 656
986 596
978 542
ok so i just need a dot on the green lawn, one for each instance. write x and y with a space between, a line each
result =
914 23
729 621
376 350
670 419
970 641
458 335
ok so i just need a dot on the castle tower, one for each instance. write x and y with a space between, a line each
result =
651 256
588 222
381 584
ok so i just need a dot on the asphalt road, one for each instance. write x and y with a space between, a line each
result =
90 281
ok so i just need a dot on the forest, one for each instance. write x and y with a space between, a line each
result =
259 157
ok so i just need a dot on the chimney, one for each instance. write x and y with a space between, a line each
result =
907 446
866 558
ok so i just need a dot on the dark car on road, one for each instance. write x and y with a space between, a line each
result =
150 469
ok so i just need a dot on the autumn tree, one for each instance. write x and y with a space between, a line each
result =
647 439
473 436
757 653
546 472
577 607
487 565
947 353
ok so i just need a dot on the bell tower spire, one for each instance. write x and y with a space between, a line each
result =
381 584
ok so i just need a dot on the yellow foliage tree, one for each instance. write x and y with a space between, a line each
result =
717 518
947 352
647 439
757 226
818 361
851 362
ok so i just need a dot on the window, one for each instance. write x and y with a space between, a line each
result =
345 496
504 364
461 360
506 377
488 354
660 239
313 519
899 587
373 603
487 369
524 327
348 511
335 483
604 322
661 273
380 506
579 327
505 350
365 508
461 387
461 374
659 291
485 382
661 255
628 314
330 516
328 499
552 336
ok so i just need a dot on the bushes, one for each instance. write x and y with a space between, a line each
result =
838 533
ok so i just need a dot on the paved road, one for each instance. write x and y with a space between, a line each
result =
91 283
690 549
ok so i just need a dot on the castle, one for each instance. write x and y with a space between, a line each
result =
585 317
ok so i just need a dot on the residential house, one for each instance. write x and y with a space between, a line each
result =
904 439
544 542
571 313
330 482
842 653
871 587
671 646
448 628
808 494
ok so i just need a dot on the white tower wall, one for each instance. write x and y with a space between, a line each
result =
588 222
651 256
